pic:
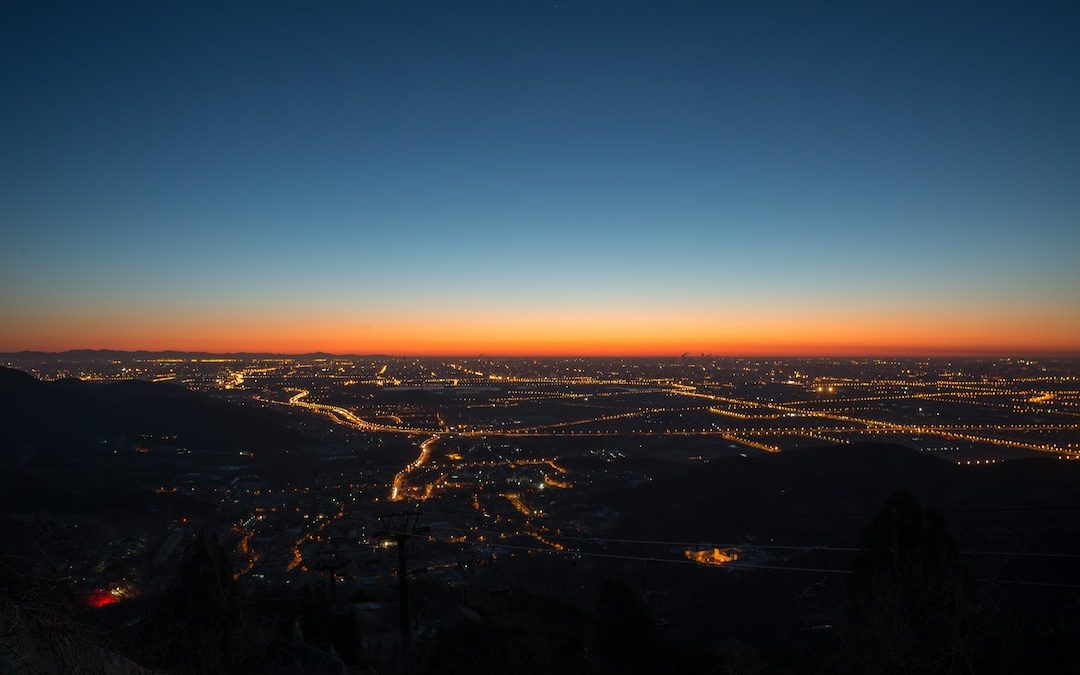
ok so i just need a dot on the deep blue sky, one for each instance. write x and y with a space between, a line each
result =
374 159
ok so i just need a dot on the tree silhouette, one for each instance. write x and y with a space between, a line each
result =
198 625
911 606
624 629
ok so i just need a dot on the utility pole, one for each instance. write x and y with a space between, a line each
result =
331 566
399 528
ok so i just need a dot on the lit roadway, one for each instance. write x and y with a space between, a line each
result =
816 412
346 416
827 418
761 410
399 485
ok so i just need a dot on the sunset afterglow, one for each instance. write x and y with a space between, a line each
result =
656 332
540 180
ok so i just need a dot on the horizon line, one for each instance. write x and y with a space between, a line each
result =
925 353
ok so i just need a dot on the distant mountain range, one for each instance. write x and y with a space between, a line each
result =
107 354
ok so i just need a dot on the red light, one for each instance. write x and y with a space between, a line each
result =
99 599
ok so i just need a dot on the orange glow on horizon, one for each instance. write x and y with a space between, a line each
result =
570 333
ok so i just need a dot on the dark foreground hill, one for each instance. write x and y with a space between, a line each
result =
825 495
70 415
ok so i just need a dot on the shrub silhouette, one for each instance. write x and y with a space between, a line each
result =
911 607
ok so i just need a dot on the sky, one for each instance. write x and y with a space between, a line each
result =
541 177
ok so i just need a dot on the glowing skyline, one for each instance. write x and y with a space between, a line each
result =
651 333
609 179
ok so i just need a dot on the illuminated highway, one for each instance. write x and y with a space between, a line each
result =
976 433
499 405
399 486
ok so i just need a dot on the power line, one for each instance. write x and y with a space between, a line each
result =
740 565
701 542
1024 582
788 568
779 547
399 528
1023 554
869 514
637 558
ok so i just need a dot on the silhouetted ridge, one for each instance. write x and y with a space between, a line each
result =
69 414
11 379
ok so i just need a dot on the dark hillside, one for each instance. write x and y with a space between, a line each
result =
825 495
67 415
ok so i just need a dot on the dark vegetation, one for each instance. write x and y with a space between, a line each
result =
911 605
824 496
